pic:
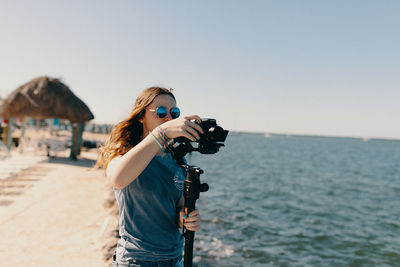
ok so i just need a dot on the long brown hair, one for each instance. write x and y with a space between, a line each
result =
128 133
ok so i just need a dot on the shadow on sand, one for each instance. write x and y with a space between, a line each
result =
79 162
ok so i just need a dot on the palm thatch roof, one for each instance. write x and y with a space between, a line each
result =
45 97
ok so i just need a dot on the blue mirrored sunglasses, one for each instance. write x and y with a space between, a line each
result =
161 112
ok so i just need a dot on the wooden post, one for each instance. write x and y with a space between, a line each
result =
5 133
23 127
79 138
8 131
21 138
74 147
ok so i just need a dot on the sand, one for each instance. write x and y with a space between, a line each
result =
57 212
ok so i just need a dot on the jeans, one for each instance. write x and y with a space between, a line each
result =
177 262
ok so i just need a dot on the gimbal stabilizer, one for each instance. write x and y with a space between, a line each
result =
209 143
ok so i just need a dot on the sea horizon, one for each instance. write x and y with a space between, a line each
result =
280 134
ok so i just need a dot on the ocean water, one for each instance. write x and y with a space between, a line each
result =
299 201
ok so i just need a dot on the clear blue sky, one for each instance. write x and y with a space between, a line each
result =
301 67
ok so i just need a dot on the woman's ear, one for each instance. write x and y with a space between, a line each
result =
141 116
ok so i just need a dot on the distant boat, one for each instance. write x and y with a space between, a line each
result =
267 134
366 139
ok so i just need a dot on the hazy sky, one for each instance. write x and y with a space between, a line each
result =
302 67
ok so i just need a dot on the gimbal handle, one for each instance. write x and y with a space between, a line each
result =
192 189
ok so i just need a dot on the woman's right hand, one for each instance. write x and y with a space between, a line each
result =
183 126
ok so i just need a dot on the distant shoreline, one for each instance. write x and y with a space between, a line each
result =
271 134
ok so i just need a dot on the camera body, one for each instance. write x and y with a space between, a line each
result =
210 141
213 136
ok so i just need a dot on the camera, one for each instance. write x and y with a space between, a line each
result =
213 136
210 141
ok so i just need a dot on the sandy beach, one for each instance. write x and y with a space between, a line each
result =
57 212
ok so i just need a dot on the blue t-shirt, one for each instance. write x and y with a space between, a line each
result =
148 212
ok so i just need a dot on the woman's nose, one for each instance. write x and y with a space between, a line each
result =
168 117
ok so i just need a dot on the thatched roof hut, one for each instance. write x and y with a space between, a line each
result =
45 97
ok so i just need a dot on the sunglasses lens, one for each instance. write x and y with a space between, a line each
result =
175 112
161 112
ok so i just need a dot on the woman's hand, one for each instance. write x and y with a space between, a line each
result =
192 222
183 126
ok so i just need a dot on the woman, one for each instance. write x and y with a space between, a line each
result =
147 181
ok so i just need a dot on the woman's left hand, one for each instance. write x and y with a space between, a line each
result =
191 222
